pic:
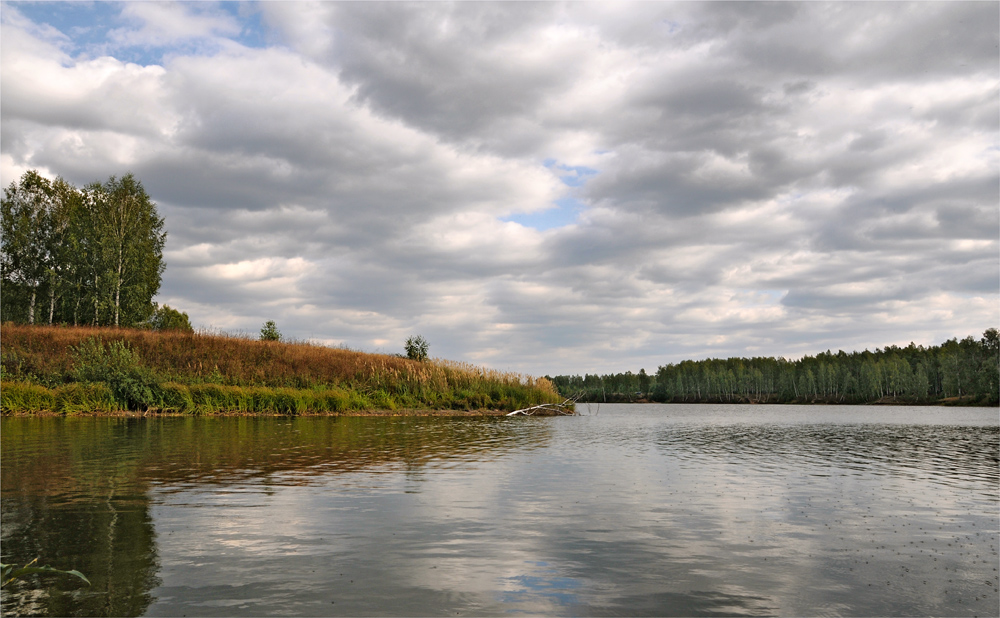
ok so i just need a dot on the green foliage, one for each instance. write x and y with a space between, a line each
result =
176 397
416 348
10 572
69 256
335 400
359 401
134 387
968 370
166 318
269 400
28 251
11 365
214 398
289 401
209 398
217 398
20 397
269 332
124 242
75 398
83 398
382 400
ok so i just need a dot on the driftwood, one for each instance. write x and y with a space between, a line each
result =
561 409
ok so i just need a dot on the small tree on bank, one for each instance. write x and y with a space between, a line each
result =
416 348
166 317
270 332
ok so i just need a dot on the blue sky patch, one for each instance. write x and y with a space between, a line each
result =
252 30
88 27
570 175
563 213
85 24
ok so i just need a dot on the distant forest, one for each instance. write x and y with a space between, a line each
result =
966 371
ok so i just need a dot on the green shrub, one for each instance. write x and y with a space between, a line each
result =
434 399
176 398
335 400
23 397
382 400
261 399
283 400
416 348
241 398
11 366
467 399
85 397
270 332
134 386
406 401
212 398
288 401
167 318
358 401
339 400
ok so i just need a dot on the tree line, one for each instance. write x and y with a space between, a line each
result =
81 256
968 369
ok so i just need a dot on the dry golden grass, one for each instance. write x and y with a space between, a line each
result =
44 354
47 350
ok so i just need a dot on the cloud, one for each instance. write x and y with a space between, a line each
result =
166 23
740 177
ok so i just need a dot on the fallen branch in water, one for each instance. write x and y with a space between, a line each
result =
563 409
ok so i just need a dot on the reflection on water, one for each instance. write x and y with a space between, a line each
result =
76 491
639 510
950 454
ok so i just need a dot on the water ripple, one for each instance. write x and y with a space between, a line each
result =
949 454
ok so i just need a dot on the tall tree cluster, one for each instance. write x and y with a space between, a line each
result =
79 256
969 369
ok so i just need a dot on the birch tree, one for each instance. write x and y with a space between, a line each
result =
26 256
63 262
94 255
127 248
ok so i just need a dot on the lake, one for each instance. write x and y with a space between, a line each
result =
625 510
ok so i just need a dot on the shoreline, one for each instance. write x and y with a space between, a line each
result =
441 413
947 402
82 370
348 413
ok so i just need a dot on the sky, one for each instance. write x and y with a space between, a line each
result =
548 188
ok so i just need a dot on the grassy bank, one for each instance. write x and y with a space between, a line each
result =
105 370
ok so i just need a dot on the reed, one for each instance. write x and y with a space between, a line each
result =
77 398
205 372
22 397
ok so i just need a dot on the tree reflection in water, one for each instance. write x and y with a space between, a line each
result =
658 510
75 491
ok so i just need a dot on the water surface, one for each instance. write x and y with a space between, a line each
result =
627 510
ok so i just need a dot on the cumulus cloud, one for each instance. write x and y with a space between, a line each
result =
727 178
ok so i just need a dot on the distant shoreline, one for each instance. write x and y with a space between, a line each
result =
949 402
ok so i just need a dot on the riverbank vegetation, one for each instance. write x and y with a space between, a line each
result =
91 369
965 372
